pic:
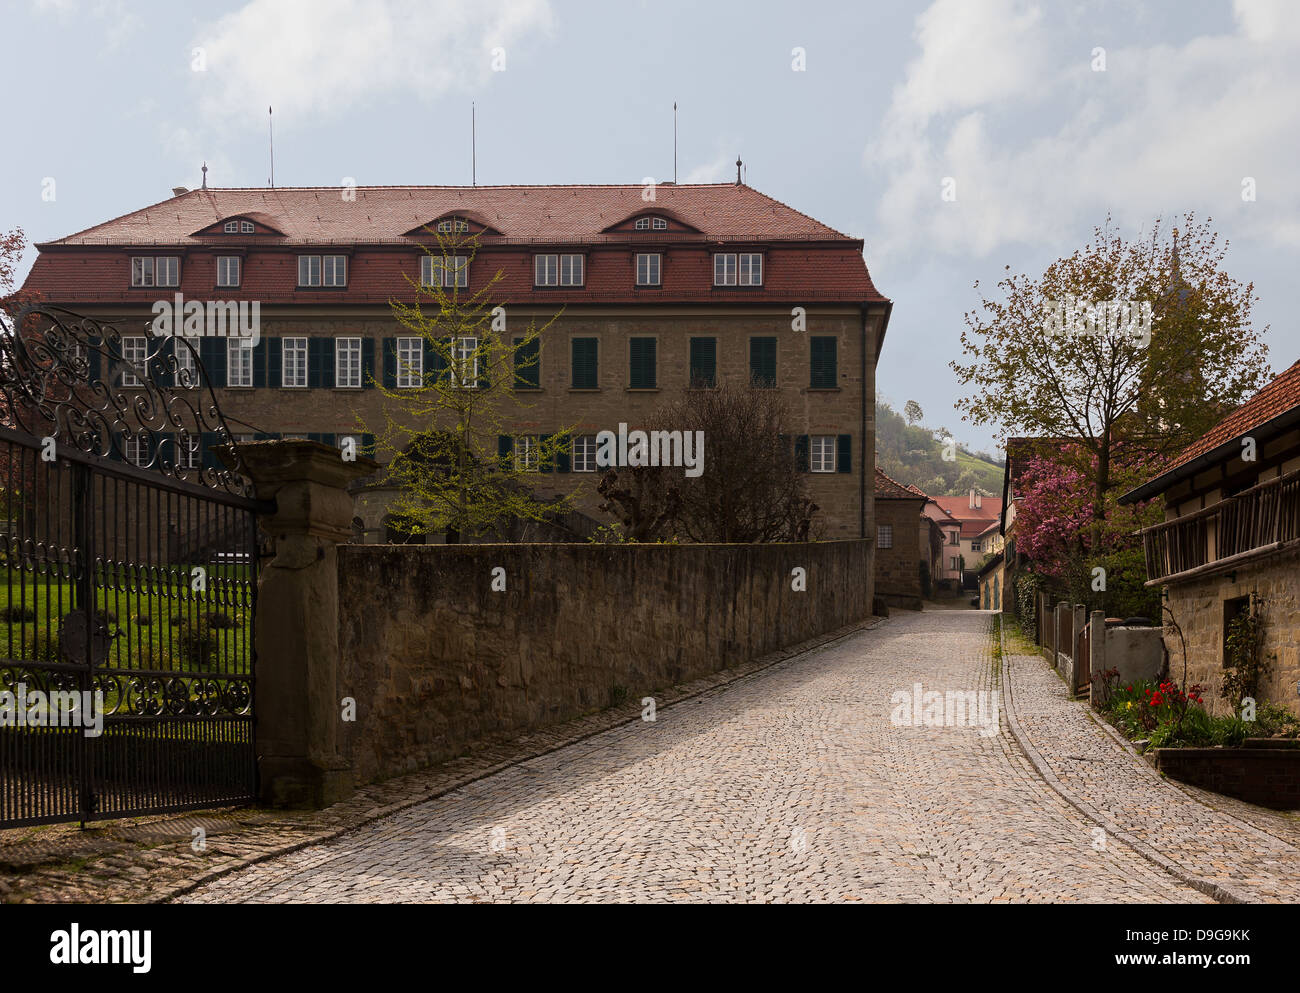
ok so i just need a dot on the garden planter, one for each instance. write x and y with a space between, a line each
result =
1265 772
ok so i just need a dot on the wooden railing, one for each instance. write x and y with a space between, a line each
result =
1262 518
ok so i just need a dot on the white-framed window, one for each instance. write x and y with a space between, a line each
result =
584 453
410 363
188 455
975 545
643 224
445 270
651 223
558 270
464 359
647 268
884 536
738 269
230 227
155 270
187 372
453 225
821 455
239 362
347 363
135 448
954 563
167 270
227 270
134 349
246 227
293 358
527 452
322 270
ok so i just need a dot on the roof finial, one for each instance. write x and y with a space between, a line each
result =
738 170
205 175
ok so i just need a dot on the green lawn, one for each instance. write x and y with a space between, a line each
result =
211 636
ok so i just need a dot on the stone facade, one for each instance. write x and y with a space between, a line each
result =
1199 607
898 568
435 658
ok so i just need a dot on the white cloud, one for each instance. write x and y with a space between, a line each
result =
321 57
1002 98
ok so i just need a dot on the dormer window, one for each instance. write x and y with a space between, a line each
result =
238 227
651 224
453 225
245 227
231 227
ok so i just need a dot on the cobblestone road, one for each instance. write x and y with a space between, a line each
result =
789 785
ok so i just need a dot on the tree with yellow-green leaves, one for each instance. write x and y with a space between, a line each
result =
449 384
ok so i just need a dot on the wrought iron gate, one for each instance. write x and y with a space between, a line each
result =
128 597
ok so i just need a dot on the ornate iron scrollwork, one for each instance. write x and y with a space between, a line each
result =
67 376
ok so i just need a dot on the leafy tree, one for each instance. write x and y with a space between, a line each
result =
913 412
1115 390
441 435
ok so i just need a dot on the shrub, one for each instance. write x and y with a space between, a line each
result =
16 613
144 620
197 643
220 619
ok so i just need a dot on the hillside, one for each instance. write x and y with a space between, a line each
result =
913 453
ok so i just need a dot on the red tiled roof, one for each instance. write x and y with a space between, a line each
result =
378 214
891 489
959 507
806 260
1279 396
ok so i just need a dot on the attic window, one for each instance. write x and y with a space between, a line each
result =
453 225
231 227
245 227
238 227
651 223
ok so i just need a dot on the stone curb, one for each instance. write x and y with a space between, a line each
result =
1214 890
717 681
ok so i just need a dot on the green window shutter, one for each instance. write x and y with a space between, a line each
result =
368 363
545 463
95 365
585 364
209 350
368 445
329 438
801 453
564 458
260 351
528 366
209 459
390 363
274 362
762 361
641 354
844 453
432 361
505 445
823 374
320 363
704 362
436 360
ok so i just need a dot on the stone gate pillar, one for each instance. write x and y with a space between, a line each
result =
295 699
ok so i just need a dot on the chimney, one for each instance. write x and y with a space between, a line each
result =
974 499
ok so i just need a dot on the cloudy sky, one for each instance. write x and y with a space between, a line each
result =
117 102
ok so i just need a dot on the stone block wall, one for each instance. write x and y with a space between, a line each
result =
435 658
1198 607
898 569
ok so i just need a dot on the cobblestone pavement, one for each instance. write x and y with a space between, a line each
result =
788 785
1250 853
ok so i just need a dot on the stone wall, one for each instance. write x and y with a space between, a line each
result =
1258 774
898 569
435 658
1198 607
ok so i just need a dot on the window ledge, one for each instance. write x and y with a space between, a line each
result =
824 389
642 389
584 389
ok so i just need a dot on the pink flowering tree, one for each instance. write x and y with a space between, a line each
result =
1097 561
